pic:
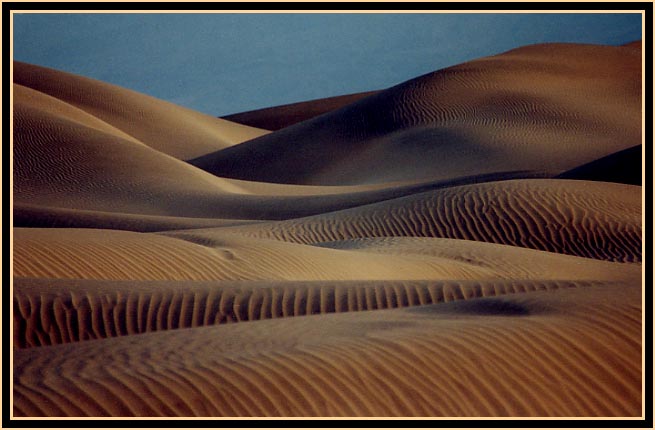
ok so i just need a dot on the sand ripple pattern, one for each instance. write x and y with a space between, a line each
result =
73 312
569 352
465 244
587 219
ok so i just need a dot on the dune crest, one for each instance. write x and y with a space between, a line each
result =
278 117
165 127
533 108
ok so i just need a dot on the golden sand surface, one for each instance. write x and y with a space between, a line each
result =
464 244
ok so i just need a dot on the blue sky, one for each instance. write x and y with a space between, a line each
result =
227 63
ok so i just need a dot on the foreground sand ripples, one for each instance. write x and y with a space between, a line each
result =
464 244
539 354
78 310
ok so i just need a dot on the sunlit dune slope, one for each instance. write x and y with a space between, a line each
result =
171 129
589 219
194 255
106 254
542 107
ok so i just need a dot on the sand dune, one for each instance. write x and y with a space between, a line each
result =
171 129
567 352
533 108
114 254
583 218
65 158
275 118
465 244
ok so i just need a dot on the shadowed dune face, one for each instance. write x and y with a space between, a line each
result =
622 167
549 107
278 117
465 244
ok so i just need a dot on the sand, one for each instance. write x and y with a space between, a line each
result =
464 244
534 108
278 117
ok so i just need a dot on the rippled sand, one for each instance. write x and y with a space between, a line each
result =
467 243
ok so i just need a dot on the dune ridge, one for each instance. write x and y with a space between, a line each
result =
192 255
105 254
499 113
168 128
278 117
56 311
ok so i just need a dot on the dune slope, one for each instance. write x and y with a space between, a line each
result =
171 129
544 107
583 218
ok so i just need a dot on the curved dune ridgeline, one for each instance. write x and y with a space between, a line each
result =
165 127
277 117
468 243
541 107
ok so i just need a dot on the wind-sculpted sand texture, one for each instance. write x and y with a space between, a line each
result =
464 244
113 254
583 218
543 107
53 311
566 352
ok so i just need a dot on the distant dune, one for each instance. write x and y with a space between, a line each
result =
533 108
465 244
171 129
